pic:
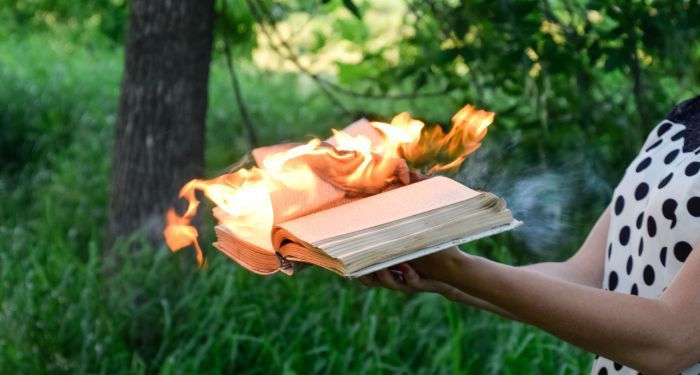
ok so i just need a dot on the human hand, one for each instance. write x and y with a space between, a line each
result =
404 278
440 266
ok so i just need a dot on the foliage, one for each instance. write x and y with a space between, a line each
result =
103 18
565 72
158 313
575 86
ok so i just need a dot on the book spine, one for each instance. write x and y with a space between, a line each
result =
285 265
289 267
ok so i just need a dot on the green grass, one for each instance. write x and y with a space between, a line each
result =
59 314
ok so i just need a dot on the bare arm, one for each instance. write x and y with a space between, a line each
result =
653 336
584 268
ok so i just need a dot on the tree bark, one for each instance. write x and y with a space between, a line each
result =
159 138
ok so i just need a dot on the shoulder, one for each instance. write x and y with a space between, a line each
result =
682 123
686 112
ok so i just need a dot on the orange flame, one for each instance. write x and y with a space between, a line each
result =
321 173
469 127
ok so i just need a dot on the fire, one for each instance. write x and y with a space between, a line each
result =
469 126
322 173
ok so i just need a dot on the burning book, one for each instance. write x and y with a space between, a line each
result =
353 204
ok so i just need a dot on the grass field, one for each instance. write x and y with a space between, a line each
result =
159 314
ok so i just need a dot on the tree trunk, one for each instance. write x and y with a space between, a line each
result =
159 139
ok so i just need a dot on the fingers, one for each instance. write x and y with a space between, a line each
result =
388 280
418 283
370 280
409 274
402 278
410 282
414 281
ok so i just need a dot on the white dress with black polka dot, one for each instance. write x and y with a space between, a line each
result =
655 220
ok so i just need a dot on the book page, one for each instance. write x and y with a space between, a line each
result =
361 127
379 209
254 235
434 249
260 153
288 204
245 253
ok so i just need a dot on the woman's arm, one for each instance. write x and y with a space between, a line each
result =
411 283
653 336
585 268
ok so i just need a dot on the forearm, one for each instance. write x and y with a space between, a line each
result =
564 271
549 269
587 317
584 268
557 270
466 299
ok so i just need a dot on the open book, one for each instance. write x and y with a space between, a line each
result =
375 232
355 232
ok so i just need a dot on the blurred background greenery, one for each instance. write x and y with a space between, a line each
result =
576 86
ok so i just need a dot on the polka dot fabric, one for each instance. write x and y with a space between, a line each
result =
655 219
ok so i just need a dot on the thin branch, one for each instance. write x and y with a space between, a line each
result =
411 96
638 84
256 12
242 109
263 17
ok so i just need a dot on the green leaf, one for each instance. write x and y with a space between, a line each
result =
352 8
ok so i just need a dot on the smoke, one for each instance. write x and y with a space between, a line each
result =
556 200
547 199
543 202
